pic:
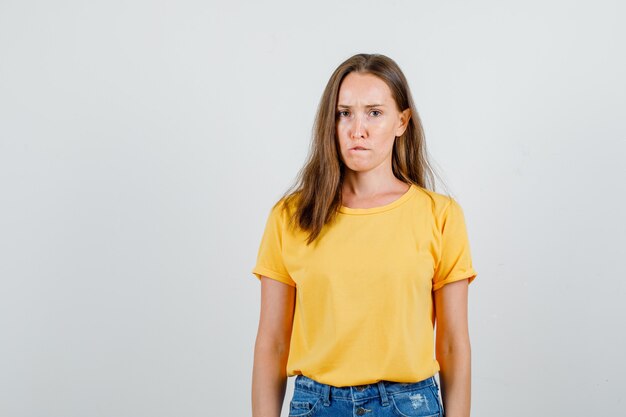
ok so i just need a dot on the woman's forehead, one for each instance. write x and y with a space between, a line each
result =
364 90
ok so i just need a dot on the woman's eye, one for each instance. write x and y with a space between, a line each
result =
343 113
375 113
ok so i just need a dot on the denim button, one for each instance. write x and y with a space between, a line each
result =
362 387
360 411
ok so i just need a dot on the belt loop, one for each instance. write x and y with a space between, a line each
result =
383 393
326 394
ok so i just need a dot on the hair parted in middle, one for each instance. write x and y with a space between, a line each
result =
318 185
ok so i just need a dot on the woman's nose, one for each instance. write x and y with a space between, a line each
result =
358 128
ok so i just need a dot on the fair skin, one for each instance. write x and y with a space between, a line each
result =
452 347
271 349
368 117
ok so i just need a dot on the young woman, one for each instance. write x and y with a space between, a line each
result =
359 263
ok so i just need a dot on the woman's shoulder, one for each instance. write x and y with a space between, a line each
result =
285 206
288 201
444 207
438 201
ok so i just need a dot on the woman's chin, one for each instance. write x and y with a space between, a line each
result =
359 167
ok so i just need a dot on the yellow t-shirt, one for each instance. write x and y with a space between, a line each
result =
364 308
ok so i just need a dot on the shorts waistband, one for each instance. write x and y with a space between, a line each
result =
360 392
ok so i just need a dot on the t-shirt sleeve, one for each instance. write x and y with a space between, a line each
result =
455 262
270 255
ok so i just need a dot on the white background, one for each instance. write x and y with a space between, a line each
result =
142 144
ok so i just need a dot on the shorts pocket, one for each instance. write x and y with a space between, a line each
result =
420 402
435 389
303 403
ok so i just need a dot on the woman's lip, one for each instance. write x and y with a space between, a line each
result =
358 149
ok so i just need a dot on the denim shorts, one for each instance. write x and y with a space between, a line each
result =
383 398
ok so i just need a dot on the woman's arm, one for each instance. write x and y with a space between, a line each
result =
271 350
452 348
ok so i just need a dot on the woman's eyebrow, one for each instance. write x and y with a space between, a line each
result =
343 106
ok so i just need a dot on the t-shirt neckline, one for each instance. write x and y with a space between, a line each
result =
371 210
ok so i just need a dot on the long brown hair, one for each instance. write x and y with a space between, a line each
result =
318 185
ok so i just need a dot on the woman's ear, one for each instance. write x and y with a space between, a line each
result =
404 116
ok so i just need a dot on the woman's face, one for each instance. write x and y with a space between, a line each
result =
368 122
